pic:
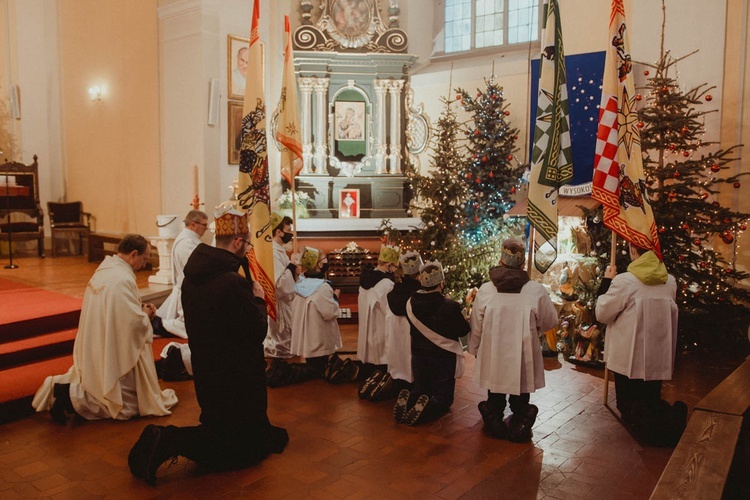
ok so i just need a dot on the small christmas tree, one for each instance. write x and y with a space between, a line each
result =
493 174
684 175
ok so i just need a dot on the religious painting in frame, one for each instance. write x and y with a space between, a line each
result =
234 132
237 54
349 204
351 18
350 120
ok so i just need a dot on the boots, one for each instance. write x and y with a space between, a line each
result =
62 409
150 451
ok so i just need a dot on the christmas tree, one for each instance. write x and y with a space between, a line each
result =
493 174
442 193
684 175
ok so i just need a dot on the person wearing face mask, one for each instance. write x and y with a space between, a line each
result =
374 286
277 344
315 312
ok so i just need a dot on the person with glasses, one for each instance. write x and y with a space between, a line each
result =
225 316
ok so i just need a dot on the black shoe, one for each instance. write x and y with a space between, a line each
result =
497 427
62 409
173 368
399 409
412 416
521 425
486 411
148 453
382 389
368 385
333 365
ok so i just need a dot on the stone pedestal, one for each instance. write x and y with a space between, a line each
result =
164 247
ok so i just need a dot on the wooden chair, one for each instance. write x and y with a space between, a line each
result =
67 219
21 215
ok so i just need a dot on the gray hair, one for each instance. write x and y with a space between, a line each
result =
195 216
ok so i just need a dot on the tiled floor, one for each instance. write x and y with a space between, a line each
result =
341 447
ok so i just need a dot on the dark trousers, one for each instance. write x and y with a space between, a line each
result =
219 448
519 405
632 393
434 377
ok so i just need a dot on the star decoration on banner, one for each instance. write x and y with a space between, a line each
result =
628 118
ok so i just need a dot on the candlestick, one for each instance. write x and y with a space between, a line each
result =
195 180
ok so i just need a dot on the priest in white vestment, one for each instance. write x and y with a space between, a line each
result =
113 373
170 312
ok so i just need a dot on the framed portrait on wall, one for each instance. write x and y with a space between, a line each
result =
237 54
351 18
349 204
234 131
350 120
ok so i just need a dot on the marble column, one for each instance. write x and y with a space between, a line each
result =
306 87
164 247
394 156
321 117
381 88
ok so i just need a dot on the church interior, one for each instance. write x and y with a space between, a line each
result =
126 112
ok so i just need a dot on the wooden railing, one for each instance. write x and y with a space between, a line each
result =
712 458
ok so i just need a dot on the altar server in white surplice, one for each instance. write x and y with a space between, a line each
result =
374 285
113 373
278 340
508 315
170 312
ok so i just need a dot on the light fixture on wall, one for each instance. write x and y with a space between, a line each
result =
95 93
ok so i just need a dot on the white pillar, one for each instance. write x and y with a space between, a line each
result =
381 87
306 87
164 247
321 108
394 156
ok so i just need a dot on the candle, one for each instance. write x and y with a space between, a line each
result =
195 179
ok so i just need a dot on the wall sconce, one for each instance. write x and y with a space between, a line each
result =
95 93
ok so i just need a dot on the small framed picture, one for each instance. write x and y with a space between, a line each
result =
349 204
237 55
350 120
234 131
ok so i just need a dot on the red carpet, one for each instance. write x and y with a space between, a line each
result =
28 311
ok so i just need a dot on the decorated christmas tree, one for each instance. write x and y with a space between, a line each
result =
685 175
443 192
493 173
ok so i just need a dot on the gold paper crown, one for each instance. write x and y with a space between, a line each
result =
389 253
275 221
432 278
513 254
310 258
231 223
411 262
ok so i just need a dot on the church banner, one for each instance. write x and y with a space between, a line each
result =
288 131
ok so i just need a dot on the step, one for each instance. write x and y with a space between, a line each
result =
31 350
28 328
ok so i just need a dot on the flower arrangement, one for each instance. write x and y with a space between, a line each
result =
302 200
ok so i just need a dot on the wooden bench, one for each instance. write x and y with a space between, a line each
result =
102 244
711 459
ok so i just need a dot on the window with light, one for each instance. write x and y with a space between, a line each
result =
475 24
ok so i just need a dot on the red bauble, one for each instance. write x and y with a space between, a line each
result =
709 97
484 159
727 237
492 175
468 176
728 271
686 154
476 218
681 258
479 94
685 227
476 132
476 205
646 73
672 195
727 221
665 89
513 190
638 97
510 157
676 174
703 266
673 146
737 185
743 227
662 230
715 168
697 241
515 137
477 180
685 130
493 96
640 124
716 204
506 112
704 195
